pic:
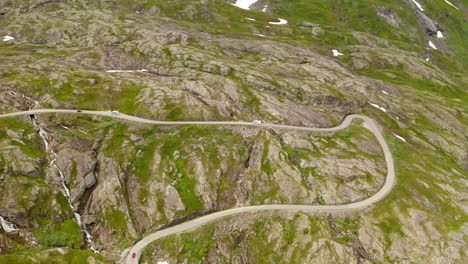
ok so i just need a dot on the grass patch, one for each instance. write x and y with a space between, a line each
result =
68 234
37 256
343 239
116 220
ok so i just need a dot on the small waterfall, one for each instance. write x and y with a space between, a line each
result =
7 226
62 178
44 136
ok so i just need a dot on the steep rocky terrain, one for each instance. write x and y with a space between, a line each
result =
204 60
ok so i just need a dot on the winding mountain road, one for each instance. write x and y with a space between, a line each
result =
195 223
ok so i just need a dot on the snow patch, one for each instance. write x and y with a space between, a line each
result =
8 38
251 19
337 53
432 45
439 34
451 4
399 137
384 92
7 226
245 4
260 35
142 70
162 262
379 107
281 22
427 59
265 8
418 5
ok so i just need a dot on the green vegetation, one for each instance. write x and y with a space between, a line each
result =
346 15
143 194
270 194
343 239
347 223
90 86
173 145
67 234
47 202
266 165
117 221
289 231
65 69
268 238
27 139
401 77
36 256
187 246
197 247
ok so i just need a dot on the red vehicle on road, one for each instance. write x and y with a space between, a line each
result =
133 255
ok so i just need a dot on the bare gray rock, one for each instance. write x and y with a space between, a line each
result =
426 22
172 201
17 162
389 15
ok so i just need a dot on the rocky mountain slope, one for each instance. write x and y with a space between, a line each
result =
210 60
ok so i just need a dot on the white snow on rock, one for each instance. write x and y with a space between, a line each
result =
281 22
260 35
251 19
379 107
451 4
385 92
245 4
142 70
265 8
439 34
7 226
399 137
337 53
162 262
418 5
427 59
432 45
8 38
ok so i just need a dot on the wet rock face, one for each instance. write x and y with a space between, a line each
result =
79 170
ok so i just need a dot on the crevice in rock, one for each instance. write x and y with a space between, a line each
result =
225 198
197 96
85 199
355 244
249 155
130 210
